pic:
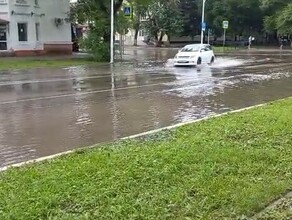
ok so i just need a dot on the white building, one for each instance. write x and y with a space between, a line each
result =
29 27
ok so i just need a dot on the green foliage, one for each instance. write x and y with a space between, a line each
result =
164 17
270 7
191 15
139 8
278 16
97 14
270 24
95 45
284 20
183 17
245 17
122 23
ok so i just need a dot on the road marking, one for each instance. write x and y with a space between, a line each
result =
19 82
85 93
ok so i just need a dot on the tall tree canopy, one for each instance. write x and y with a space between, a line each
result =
245 17
181 17
163 17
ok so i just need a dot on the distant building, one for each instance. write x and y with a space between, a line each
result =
30 27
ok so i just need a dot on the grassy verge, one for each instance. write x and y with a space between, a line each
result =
222 49
30 63
222 168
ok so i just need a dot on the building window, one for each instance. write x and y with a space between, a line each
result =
3 37
37 31
22 31
21 2
141 33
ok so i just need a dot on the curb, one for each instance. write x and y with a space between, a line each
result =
190 122
130 137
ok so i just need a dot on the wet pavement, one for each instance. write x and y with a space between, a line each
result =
48 111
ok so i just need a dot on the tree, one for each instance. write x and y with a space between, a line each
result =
163 18
191 16
244 17
284 21
270 7
139 8
277 20
97 14
93 10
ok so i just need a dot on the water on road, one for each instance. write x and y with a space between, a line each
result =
48 111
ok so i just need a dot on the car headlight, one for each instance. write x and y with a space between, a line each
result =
175 57
192 57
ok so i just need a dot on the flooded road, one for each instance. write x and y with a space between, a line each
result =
48 111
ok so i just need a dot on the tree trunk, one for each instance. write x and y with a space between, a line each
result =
159 42
136 37
168 41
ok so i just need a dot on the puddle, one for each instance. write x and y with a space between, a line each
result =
48 111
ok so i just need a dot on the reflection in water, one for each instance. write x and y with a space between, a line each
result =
114 109
47 111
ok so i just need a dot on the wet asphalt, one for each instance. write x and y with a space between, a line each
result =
48 111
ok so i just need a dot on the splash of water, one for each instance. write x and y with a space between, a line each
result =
224 62
221 62
169 63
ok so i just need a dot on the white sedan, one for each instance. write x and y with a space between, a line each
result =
194 54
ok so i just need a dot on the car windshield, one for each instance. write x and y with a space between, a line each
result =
193 48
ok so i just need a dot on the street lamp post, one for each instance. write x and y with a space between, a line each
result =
112 32
203 20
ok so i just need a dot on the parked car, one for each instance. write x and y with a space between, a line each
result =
149 40
194 54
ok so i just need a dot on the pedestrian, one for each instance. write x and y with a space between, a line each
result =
249 41
281 43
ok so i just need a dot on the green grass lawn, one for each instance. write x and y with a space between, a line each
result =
221 49
14 63
222 168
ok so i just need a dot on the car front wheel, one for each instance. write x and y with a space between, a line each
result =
212 60
199 61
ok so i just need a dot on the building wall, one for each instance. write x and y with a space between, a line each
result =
4 6
22 14
52 37
4 18
56 9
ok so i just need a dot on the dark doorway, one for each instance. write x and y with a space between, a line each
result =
3 37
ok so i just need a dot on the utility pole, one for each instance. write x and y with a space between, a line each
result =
203 21
112 33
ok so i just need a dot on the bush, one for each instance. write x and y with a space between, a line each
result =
95 45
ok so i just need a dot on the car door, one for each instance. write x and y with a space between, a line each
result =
204 54
208 54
